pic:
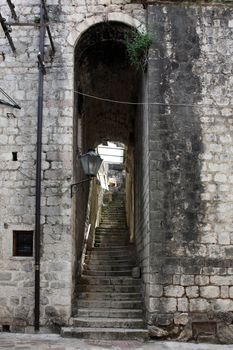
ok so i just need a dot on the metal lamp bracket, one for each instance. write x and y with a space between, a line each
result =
74 187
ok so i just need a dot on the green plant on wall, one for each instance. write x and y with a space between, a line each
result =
137 45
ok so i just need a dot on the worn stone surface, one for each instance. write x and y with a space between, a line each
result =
55 342
183 171
190 152
225 334
19 78
156 332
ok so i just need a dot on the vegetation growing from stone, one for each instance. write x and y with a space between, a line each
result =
138 44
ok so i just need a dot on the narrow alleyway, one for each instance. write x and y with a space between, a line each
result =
109 304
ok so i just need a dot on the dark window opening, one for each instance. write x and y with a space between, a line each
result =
6 328
14 156
23 243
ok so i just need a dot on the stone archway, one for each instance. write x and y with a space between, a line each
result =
103 70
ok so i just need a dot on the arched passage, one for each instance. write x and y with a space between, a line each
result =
103 70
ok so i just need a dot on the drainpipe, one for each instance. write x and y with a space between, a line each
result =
38 169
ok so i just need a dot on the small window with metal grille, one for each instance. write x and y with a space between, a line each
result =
22 243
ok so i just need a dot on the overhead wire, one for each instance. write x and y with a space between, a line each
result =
214 105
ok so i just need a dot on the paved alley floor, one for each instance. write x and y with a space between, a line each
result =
55 342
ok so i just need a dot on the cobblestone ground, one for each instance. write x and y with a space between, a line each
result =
55 342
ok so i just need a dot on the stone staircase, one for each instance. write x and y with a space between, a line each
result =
109 305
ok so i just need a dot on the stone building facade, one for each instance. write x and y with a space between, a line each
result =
182 153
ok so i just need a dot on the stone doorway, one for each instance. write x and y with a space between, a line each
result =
103 72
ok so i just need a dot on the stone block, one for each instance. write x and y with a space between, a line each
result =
174 291
224 292
156 290
225 334
181 319
153 305
156 332
5 276
192 291
199 305
223 305
183 304
221 280
201 280
167 305
187 280
209 292
230 291
164 319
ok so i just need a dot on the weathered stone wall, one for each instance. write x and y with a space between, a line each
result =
185 241
19 78
190 169
142 211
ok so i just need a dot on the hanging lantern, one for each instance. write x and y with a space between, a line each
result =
91 163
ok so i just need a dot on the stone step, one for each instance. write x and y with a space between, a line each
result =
110 240
101 322
110 304
110 245
109 296
113 217
108 267
117 255
102 253
104 333
114 222
112 231
112 313
100 259
109 288
117 227
107 273
109 258
109 280
118 248
118 209
113 235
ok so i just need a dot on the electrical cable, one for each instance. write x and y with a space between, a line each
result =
151 103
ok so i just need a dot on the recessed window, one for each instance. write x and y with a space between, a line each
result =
14 156
23 243
6 328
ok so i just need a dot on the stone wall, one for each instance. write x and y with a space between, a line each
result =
190 140
142 211
183 196
19 78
